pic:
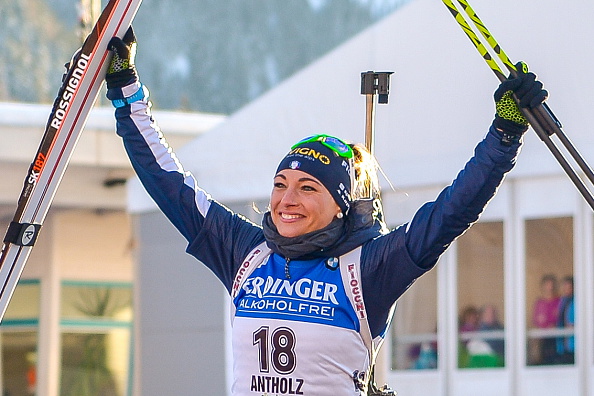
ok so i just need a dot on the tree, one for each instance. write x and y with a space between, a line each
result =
200 55
33 49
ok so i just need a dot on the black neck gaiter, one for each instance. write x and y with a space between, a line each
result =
306 246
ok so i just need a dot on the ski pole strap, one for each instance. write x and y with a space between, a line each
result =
22 234
138 95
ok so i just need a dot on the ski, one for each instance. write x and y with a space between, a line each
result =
80 87
542 120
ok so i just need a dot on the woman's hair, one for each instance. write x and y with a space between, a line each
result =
469 311
366 181
549 278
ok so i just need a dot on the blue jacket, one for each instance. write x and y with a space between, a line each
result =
390 262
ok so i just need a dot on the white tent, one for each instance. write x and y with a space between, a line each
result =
440 101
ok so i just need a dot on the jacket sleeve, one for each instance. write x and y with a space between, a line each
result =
392 262
436 224
216 236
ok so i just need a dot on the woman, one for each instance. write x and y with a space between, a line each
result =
313 287
545 315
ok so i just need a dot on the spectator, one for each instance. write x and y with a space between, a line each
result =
469 319
424 355
545 316
467 323
489 320
566 345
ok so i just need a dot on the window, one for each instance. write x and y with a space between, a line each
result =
96 338
480 297
18 336
414 341
549 291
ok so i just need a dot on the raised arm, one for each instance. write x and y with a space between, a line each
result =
215 235
392 262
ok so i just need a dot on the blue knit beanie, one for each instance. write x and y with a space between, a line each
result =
321 162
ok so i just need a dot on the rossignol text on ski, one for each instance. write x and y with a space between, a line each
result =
80 87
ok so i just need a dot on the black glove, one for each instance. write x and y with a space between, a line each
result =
122 71
530 94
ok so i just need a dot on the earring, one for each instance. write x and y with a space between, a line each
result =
339 215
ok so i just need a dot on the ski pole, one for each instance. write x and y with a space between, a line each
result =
543 121
551 122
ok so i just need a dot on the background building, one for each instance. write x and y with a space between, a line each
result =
69 325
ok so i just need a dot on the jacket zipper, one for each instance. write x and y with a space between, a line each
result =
287 273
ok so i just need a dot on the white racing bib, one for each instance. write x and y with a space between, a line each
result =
297 335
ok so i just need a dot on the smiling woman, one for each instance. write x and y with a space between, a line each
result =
321 186
312 186
300 204
312 289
